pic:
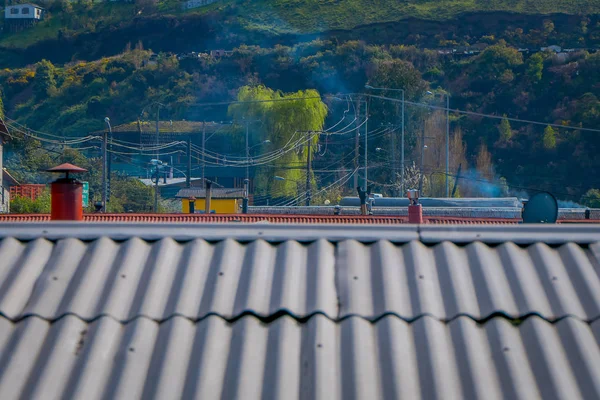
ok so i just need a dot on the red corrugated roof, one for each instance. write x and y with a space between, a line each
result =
255 218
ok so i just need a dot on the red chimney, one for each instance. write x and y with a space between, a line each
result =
67 195
415 211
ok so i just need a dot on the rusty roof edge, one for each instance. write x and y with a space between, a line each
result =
430 234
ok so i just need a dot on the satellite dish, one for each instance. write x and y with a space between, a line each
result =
541 208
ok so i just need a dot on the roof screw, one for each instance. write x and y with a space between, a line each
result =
123 275
220 273
421 276
356 278
505 349
554 278
55 278
319 345
131 349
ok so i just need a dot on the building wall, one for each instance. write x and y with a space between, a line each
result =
31 13
5 201
220 206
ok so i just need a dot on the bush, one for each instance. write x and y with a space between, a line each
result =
24 205
591 198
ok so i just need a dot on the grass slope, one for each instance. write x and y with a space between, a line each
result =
97 16
305 16
291 16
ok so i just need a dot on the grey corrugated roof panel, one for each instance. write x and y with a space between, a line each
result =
193 279
552 234
319 359
521 234
475 280
165 278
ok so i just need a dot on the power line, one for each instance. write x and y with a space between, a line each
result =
473 113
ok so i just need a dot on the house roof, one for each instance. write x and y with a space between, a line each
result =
170 181
216 193
290 311
6 176
25 4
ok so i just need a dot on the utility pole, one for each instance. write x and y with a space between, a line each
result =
356 144
247 153
104 167
447 143
188 180
203 151
402 188
394 163
157 160
157 132
366 136
422 159
308 165
156 189
109 162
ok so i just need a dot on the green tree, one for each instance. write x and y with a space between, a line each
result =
505 130
496 59
288 124
548 27
129 194
549 140
591 198
397 74
535 67
45 78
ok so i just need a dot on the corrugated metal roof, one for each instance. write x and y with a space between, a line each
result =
284 359
299 311
160 279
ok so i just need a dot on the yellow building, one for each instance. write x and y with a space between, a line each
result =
223 200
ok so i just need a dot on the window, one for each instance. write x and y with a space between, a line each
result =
14 10
38 12
25 11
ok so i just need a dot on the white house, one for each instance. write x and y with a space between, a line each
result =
553 48
24 11
196 3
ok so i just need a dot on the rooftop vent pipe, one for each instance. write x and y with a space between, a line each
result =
208 196
415 211
66 195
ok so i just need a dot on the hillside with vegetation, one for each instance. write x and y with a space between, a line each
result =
88 61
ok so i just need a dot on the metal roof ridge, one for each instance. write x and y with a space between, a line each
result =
428 234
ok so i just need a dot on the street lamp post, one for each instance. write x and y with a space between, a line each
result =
157 163
402 138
